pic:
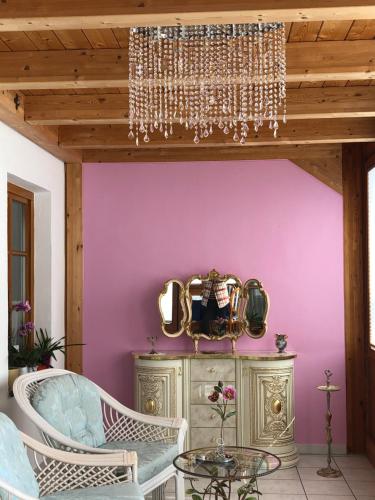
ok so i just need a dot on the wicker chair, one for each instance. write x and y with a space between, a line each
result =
124 429
31 470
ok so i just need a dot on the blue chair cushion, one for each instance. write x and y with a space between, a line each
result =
130 491
153 457
15 468
71 404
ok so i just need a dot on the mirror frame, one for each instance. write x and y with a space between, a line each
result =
183 307
246 323
211 276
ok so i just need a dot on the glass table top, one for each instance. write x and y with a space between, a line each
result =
240 463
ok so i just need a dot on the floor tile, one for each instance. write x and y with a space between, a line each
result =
313 461
330 497
327 487
310 474
283 474
353 462
286 486
365 497
362 487
358 474
277 496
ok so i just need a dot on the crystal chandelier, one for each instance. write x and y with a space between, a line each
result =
203 77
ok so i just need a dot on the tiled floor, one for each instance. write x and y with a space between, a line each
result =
303 483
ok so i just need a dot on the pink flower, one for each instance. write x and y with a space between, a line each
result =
23 306
26 329
229 393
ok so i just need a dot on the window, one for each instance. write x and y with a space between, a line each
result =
20 259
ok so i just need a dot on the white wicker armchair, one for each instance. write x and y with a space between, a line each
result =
120 424
62 472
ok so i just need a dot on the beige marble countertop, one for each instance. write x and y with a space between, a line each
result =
250 355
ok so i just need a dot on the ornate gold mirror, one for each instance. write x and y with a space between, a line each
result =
172 308
256 304
213 307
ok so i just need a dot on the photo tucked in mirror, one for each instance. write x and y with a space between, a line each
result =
256 308
214 307
172 309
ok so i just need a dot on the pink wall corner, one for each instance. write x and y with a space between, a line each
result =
146 223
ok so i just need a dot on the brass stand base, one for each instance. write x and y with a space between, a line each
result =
329 472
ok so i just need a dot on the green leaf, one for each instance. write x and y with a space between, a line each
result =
219 411
190 491
230 414
196 497
217 388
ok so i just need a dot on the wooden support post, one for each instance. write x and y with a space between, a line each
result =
355 337
74 266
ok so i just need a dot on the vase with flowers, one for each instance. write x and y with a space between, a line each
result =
223 397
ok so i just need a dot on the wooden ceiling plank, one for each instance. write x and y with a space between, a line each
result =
294 132
102 39
304 32
17 41
104 108
326 170
334 30
362 29
95 68
34 15
46 137
73 39
45 40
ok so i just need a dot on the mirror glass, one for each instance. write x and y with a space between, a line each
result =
256 308
214 307
172 308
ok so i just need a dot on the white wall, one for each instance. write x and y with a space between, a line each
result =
27 165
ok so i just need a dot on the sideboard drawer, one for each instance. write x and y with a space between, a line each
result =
201 438
213 369
200 391
204 416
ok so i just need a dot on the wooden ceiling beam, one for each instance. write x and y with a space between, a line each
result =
103 68
323 161
303 103
12 114
141 155
34 15
294 132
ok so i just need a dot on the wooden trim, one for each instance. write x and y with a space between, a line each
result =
294 132
353 188
106 68
74 266
33 15
94 109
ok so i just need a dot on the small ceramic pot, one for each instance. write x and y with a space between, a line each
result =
281 342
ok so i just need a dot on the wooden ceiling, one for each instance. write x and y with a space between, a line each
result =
66 87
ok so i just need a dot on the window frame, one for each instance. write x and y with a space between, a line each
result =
17 193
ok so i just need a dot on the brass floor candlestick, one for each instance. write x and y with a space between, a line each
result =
329 471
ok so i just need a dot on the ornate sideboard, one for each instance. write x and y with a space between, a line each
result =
178 383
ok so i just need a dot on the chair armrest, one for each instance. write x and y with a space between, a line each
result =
58 470
13 492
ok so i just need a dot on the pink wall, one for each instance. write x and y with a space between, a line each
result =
146 223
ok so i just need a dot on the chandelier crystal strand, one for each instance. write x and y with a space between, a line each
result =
226 77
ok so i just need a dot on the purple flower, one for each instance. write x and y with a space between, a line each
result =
26 328
23 306
229 393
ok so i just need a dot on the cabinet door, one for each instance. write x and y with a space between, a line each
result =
267 405
156 390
